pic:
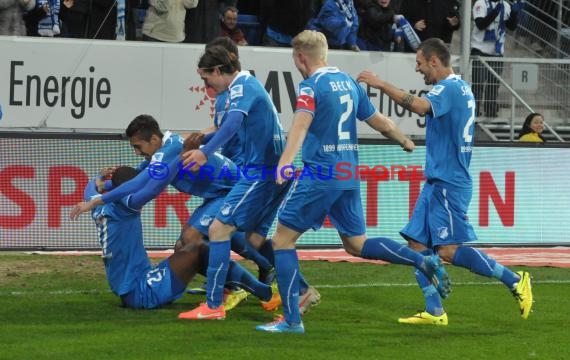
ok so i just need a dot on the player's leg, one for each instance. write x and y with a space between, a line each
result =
287 275
264 244
347 216
480 263
303 209
418 235
246 249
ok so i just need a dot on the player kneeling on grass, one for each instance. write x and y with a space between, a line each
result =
129 271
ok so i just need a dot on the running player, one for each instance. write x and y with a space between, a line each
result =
252 203
439 221
329 103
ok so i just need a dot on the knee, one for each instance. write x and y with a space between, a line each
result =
189 236
446 253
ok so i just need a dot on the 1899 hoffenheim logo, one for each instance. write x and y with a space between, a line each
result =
226 209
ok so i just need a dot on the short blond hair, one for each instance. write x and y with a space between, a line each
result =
311 43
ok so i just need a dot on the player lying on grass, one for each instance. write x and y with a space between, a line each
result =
129 271
161 168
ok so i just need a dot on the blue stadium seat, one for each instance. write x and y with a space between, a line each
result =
251 28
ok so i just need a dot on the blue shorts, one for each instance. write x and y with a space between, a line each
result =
306 207
251 206
204 215
440 217
159 286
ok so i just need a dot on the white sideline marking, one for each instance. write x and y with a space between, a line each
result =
324 286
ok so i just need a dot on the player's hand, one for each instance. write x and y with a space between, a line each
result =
368 77
107 172
80 208
192 141
285 172
408 145
100 184
195 158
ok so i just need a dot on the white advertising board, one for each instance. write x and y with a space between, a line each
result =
87 85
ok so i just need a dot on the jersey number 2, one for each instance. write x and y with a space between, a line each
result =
345 99
466 136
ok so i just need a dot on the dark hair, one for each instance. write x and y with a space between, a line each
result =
219 56
225 42
143 127
435 46
123 174
526 126
229 8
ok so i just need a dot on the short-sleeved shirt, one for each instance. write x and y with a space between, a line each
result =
336 101
261 133
449 133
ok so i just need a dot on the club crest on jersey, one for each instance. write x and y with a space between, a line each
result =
442 232
157 157
236 91
226 209
206 220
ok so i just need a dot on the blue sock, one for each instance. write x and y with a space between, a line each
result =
480 263
431 296
242 247
266 250
218 263
239 276
389 250
287 269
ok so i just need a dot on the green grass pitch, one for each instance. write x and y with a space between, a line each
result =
60 307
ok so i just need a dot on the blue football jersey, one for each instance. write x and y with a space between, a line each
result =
119 230
261 133
217 177
449 133
330 149
232 148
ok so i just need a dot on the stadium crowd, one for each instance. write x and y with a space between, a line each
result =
375 25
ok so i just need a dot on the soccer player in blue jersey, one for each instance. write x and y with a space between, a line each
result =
232 148
252 203
329 103
128 269
162 167
439 221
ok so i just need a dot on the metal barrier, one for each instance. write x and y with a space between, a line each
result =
544 28
511 88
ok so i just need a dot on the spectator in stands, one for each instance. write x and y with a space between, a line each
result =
164 20
89 19
228 26
202 22
532 128
432 18
12 16
284 20
338 20
376 19
492 18
49 25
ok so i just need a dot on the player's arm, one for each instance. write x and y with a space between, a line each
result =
197 158
388 128
90 190
408 101
295 138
